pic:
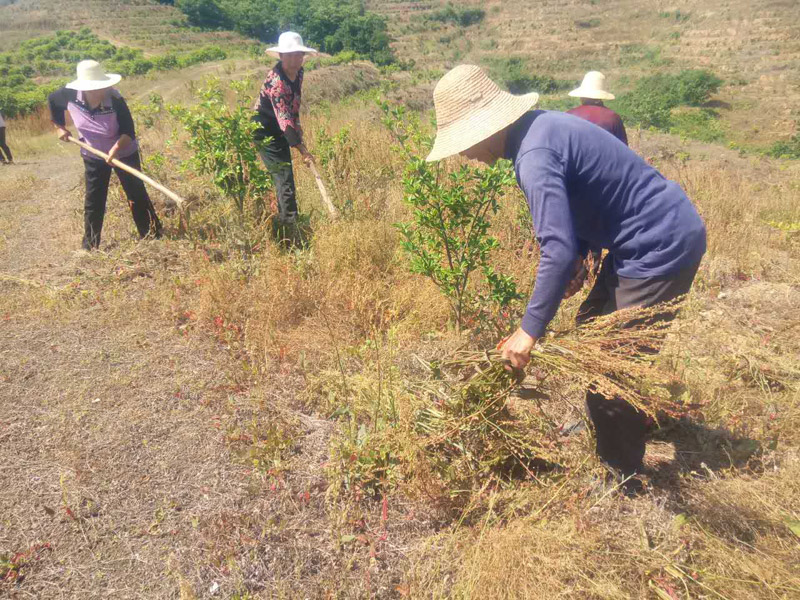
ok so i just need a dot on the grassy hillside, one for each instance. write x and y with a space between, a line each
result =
753 46
146 24
218 415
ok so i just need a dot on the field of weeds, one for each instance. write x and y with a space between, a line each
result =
187 419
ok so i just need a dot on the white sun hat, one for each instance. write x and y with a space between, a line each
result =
470 108
289 41
593 86
91 76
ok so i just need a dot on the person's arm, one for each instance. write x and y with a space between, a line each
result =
281 97
57 103
542 177
127 132
620 132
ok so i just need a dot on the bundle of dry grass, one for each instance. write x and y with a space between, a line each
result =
469 433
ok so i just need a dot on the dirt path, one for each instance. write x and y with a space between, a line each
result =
118 477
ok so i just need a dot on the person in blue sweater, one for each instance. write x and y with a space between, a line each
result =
586 191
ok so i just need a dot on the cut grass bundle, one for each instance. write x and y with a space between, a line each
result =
470 434
471 437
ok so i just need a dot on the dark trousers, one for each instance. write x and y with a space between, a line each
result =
278 159
619 427
4 147
98 175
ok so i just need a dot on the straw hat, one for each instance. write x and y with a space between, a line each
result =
470 108
91 76
289 41
593 86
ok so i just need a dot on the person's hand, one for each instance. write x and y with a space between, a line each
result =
579 276
63 134
308 158
123 142
112 154
517 349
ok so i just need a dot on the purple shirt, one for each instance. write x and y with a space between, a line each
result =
587 189
100 127
602 117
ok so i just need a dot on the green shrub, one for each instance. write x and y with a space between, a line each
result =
698 124
332 26
785 148
221 139
515 75
631 54
448 237
458 15
675 15
652 99
205 13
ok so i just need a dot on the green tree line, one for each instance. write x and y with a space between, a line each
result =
52 59
330 25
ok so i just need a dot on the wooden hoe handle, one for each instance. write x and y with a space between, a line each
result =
138 174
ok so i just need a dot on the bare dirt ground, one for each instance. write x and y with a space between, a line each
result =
118 477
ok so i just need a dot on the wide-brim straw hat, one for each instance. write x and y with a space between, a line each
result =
91 76
470 108
289 41
593 86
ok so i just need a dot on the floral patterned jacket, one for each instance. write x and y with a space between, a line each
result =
278 106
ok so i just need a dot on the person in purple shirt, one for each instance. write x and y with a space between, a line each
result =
585 189
592 92
103 121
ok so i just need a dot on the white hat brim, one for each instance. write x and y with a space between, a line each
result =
84 85
592 94
464 133
276 51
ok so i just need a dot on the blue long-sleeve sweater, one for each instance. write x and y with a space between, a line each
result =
586 189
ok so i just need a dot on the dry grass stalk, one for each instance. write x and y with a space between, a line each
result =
469 433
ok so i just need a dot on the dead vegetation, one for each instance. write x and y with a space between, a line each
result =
179 422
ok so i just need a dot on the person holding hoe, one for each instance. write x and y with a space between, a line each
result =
592 92
585 189
278 114
103 121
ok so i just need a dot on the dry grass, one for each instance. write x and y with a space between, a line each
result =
31 135
750 44
255 428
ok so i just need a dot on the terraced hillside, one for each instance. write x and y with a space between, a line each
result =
753 46
144 24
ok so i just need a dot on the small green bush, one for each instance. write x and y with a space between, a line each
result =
653 98
698 124
675 15
785 148
221 140
458 15
447 238
516 76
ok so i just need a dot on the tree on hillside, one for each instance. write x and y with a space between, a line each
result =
205 13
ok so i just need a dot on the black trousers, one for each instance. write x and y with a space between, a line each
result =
619 427
278 159
4 147
98 175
